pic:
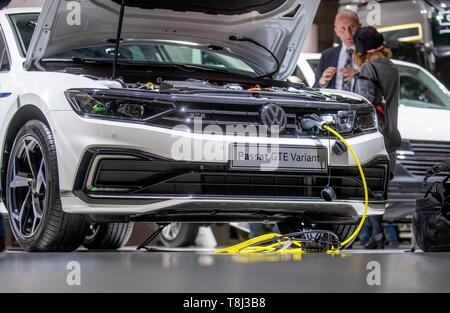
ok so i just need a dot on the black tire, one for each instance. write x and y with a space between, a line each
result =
182 238
342 231
110 236
55 231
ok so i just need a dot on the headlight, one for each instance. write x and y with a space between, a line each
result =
347 121
343 121
117 105
367 121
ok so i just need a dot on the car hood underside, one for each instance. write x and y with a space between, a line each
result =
279 25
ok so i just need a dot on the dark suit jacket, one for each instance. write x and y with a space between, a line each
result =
330 57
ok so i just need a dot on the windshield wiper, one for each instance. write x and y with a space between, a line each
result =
78 60
185 67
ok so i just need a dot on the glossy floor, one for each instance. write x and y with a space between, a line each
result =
201 271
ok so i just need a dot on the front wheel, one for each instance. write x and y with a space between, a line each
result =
32 194
110 236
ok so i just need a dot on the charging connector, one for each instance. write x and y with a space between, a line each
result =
312 123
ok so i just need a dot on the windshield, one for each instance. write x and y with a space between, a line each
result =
24 25
418 89
172 53
160 53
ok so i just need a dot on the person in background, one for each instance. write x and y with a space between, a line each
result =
337 66
4 4
378 81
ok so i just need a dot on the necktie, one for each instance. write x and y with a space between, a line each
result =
347 85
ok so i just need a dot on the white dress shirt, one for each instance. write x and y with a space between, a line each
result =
341 64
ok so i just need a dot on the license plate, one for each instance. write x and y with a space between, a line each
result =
279 157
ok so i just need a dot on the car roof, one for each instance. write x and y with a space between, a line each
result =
316 56
20 10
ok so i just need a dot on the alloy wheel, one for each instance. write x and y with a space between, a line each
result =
28 191
171 231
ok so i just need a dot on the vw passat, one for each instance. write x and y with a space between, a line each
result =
172 112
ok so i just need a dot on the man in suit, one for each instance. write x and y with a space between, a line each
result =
336 67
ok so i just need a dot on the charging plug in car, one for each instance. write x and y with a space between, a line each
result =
339 148
328 194
312 123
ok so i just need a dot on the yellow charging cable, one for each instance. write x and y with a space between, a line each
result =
363 177
295 246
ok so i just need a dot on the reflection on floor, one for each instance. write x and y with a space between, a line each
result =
192 270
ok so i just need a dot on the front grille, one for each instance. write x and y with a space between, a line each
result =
426 154
227 116
143 177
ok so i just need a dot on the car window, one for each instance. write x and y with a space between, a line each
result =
163 53
313 63
4 56
24 25
298 76
418 89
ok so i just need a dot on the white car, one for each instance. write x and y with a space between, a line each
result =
99 122
423 122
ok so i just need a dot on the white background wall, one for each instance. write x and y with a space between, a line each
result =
312 41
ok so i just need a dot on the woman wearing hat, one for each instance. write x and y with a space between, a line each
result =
378 81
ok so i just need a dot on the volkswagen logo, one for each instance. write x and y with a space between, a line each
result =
273 117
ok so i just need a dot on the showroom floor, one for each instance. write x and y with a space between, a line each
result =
201 271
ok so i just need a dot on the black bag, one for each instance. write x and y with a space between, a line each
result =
431 220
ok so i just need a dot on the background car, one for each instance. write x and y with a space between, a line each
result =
423 122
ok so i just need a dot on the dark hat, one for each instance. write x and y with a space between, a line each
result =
4 3
368 38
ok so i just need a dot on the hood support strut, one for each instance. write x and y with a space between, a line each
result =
119 34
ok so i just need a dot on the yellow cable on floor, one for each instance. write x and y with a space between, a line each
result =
290 246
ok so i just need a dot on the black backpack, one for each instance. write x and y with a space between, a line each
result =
431 220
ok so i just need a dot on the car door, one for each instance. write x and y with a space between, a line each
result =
424 109
5 67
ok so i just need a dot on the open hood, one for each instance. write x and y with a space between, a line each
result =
279 25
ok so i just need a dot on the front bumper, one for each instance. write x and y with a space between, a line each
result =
200 188
221 209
